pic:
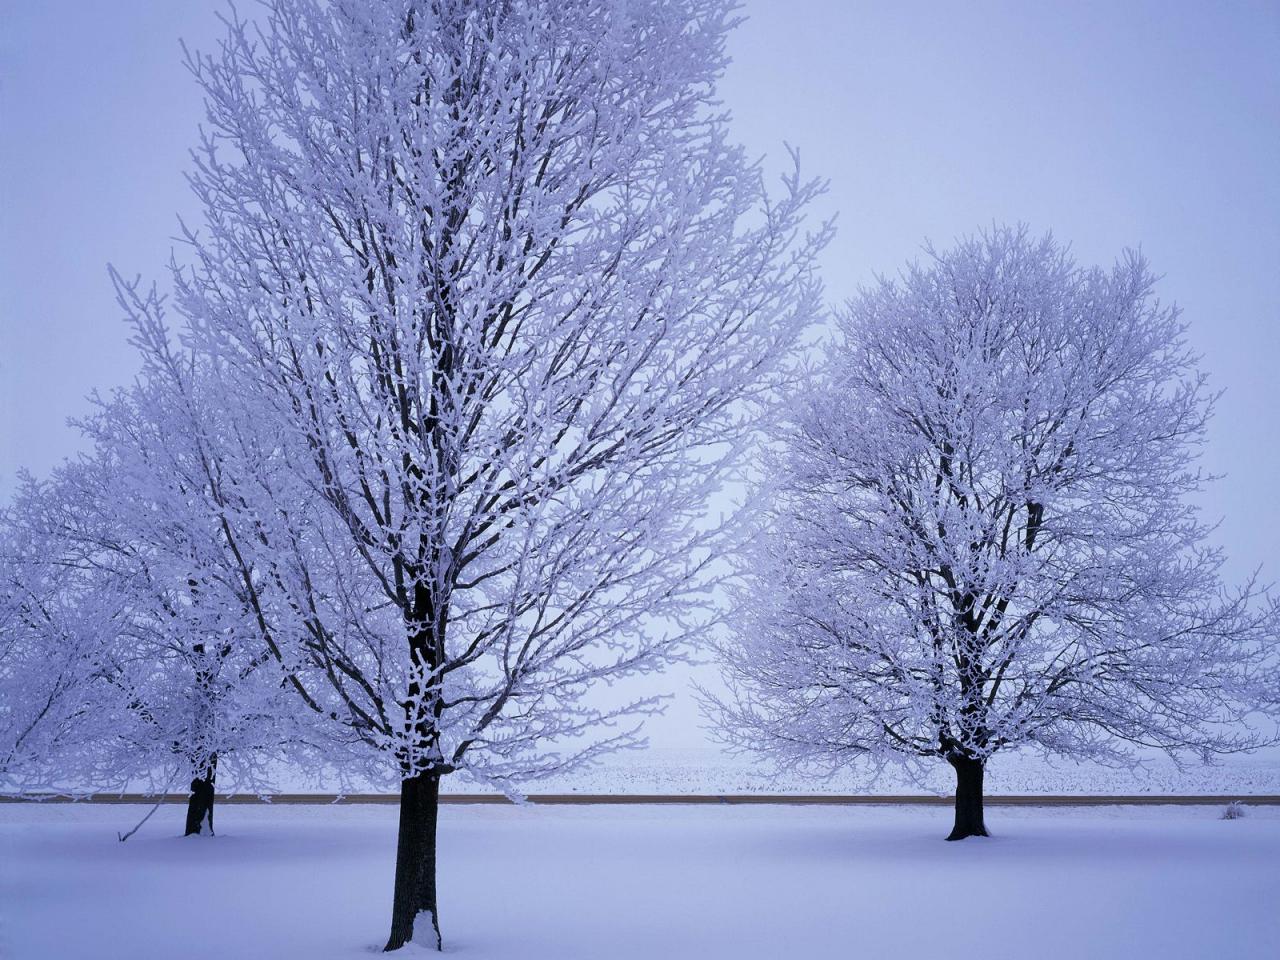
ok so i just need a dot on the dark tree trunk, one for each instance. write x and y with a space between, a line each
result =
969 822
200 802
415 890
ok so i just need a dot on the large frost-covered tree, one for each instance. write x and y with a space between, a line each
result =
502 303
984 535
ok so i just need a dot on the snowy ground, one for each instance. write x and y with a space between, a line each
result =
615 883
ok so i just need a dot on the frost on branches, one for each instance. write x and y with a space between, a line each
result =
502 305
983 537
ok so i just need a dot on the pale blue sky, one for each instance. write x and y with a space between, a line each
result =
1113 123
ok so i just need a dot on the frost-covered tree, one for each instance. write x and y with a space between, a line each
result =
984 534
503 302
55 636
129 607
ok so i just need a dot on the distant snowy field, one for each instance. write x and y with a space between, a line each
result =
625 883
711 771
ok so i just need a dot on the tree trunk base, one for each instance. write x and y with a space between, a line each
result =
969 820
415 889
200 806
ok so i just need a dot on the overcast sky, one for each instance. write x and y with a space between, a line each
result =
1112 123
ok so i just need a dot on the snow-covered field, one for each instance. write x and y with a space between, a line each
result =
613 883
712 771
709 770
